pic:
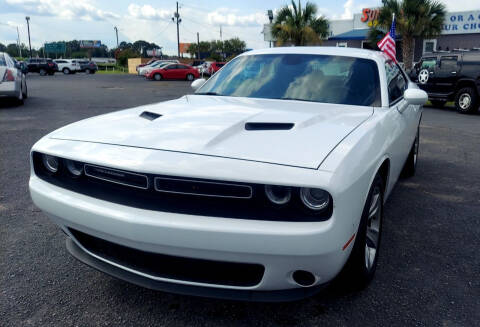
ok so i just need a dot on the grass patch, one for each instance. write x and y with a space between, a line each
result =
111 72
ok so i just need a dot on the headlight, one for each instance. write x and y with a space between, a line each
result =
74 167
314 198
278 194
50 162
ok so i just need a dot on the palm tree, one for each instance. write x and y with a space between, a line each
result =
299 26
414 18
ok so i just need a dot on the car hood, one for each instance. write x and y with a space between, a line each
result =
216 126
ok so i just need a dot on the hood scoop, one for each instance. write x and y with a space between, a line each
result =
150 115
268 126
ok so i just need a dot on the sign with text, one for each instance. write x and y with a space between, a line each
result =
370 16
89 44
55 47
464 22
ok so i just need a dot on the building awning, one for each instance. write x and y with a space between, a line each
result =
356 34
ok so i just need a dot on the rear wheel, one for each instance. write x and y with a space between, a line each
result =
20 97
25 91
438 103
66 71
362 263
157 77
466 100
190 77
42 72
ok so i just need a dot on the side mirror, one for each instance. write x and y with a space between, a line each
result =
414 96
197 83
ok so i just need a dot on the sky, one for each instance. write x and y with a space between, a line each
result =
150 20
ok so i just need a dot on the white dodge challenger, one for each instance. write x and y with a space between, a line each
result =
264 184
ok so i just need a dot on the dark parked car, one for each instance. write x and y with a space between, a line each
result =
88 67
41 66
450 76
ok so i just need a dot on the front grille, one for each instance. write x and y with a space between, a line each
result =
180 195
173 267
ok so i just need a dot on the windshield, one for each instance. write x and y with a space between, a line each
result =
317 78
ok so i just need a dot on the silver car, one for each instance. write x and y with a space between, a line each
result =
13 83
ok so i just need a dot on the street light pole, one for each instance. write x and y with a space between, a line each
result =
177 17
29 42
19 44
116 32
198 45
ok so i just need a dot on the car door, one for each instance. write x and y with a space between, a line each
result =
170 71
446 74
182 71
31 64
405 117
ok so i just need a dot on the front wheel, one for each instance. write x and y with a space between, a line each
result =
411 163
466 101
190 77
42 72
66 71
362 263
87 71
157 77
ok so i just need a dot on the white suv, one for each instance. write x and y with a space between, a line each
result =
67 66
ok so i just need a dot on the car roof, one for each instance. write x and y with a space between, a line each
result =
333 51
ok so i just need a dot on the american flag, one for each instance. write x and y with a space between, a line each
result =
387 44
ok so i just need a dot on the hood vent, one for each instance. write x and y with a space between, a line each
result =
268 126
150 115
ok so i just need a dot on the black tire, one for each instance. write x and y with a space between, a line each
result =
438 103
157 77
20 100
42 72
66 71
411 164
357 273
190 77
25 91
87 71
466 100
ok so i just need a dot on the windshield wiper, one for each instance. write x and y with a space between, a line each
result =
209 93
296 99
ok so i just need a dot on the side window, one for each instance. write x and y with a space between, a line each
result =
448 63
428 63
396 82
2 60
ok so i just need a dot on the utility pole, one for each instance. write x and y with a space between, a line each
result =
177 17
198 45
29 43
221 40
116 33
19 44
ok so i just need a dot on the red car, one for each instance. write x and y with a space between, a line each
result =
174 71
215 67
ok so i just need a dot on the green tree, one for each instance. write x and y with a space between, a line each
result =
413 18
123 55
234 46
3 48
299 26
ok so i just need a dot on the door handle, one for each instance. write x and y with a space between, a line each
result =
431 72
453 72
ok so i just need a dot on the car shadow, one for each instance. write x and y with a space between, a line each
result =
9 103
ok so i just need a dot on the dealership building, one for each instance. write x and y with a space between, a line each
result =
461 30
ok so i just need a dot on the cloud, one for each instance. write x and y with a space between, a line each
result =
348 8
147 12
225 16
64 9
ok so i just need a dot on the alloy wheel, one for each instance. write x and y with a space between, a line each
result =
464 101
373 228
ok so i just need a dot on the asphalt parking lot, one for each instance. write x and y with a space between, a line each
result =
429 266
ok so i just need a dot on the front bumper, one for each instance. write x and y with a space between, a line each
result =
281 247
